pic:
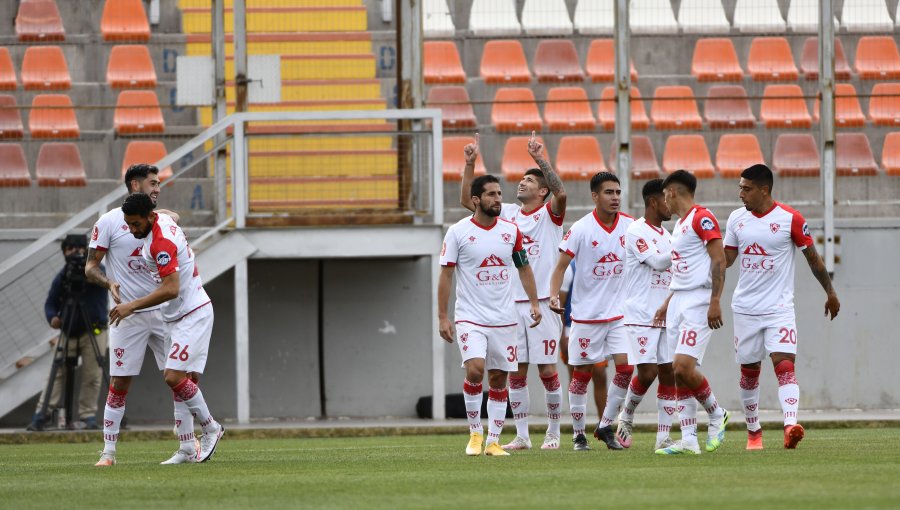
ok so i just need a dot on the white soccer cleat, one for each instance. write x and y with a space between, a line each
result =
664 443
623 432
680 448
551 442
181 457
208 444
519 443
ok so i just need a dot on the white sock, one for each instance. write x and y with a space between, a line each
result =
616 394
518 401
666 405
192 396
473 397
788 391
496 409
578 400
184 426
112 419
687 413
553 397
633 398
750 397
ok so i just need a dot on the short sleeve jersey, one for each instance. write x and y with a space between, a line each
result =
541 233
645 287
765 245
124 261
166 251
599 253
483 257
690 261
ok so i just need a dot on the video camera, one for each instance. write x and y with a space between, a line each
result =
74 280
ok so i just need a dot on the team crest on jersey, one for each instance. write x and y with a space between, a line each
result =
537 218
119 352
584 342
806 230
642 245
95 234
622 241
464 337
707 224
162 258
642 340
506 238
775 227
492 261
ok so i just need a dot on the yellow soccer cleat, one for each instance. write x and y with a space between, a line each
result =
495 450
476 440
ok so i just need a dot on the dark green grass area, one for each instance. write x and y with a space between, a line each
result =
850 468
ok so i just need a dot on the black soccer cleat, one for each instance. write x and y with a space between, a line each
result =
608 436
580 443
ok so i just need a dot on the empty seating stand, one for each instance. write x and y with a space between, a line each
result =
795 155
809 61
716 60
771 60
847 112
884 105
853 155
137 111
601 62
455 160
494 18
7 71
643 158
877 58
515 110
557 61
10 118
504 62
783 106
442 63
13 167
606 111
59 164
865 16
456 109
594 17
674 107
45 68
39 20
130 67
567 109
758 16
52 116
546 17
436 19
688 152
702 17
516 159
890 154
727 107
736 153
579 157
124 20
147 152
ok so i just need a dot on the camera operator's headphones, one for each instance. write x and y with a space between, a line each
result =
74 241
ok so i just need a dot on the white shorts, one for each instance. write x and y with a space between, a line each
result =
129 341
188 344
538 345
496 346
758 335
591 343
687 323
646 347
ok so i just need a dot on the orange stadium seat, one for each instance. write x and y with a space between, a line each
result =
442 64
877 58
124 20
796 155
130 67
674 107
884 105
504 62
45 68
847 112
643 158
143 151
515 110
13 167
39 20
727 106
456 109
853 155
10 118
890 154
516 159
771 60
783 106
137 111
601 62
455 159
59 164
606 110
737 152
716 60
567 109
688 152
52 116
809 61
579 157
557 60
7 71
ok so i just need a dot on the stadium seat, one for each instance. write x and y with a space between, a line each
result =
441 63
594 17
601 62
890 154
59 164
847 112
515 110
137 111
674 107
652 17
702 17
516 159
803 16
771 60
884 105
796 155
809 62
643 158
142 151
504 62
436 19
567 109
556 60
716 60
727 107
866 16
39 20
579 157
737 152
124 20
10 118
44 68
783 106
13 167
877 58
7 71
456 108
52 116
758 16
546 17
455 159
688 152
853 155
494 18
130 67
606 111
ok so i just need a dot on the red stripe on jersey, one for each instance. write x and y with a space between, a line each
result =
450 264
101 248
731 248
479 225
485 325
161 245
518 245
799 230
556 219
706 234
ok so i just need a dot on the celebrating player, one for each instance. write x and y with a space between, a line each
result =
540 222
763 234
484 248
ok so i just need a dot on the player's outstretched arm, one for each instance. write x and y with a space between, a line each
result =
166 291
717 270
471 153
445 326
526 276
817 265
94 275
554 182
556 280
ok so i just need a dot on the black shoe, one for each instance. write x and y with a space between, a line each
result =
37 423
607 435
580 443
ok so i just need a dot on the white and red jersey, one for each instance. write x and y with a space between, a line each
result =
165 252
541 232
483 257
599 253
765 245
124 261
690 261
645 288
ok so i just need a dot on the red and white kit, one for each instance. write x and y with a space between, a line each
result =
484 314
541 232
763 302
598 288
646 289
687 326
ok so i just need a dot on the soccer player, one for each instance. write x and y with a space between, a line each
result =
484 249
188 315
648 256
763 234
692 310
539 216
597 244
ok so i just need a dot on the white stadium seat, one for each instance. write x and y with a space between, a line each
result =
703 17
758 16
594 17
546 17
437 19
866 16
803 16
494 17
652 17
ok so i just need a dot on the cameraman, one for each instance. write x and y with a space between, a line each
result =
93 299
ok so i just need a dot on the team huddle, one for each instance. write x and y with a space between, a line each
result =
643 297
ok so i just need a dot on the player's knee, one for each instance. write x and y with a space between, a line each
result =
120 383
174 378
778 357
546 370
497 379
647 373
683 370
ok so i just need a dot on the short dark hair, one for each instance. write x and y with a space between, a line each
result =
599 178
480 182
137 204
542 181
652 188
682 177
73 241
138 171
760 175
